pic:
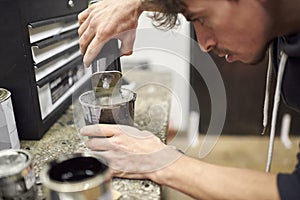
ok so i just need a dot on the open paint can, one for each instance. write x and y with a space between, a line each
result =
79 176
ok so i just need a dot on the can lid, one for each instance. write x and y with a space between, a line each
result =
4 94
13 161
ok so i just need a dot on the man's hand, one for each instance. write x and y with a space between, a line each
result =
131 153
105 20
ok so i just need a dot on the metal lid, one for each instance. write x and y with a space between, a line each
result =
13 162
4 94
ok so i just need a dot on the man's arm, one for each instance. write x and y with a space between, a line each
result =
139 154
206 181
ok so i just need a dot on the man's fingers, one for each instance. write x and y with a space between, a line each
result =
92 50
99 130
127 43
99 144
83 15
101 34
82 28
85 40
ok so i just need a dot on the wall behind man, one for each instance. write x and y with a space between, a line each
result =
166 51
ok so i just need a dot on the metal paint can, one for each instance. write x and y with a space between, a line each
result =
17 177
8 130
78 176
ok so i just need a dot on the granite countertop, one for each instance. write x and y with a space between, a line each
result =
151 113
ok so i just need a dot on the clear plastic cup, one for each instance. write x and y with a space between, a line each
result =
108 109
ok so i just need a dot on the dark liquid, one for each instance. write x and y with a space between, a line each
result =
122 114
76 169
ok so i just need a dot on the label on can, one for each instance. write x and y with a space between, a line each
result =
29 179
8 131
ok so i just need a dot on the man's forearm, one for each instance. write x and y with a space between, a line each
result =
206 181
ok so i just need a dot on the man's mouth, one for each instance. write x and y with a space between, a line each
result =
228 57
223 53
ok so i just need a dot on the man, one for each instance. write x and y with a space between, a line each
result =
239 30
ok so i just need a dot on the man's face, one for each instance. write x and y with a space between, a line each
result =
234 29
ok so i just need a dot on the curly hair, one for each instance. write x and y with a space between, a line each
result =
166 11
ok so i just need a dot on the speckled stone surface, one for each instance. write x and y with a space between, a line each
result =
151 113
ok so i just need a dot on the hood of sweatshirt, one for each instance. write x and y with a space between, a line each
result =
290 90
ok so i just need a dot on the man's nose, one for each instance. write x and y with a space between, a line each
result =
207 46
205 37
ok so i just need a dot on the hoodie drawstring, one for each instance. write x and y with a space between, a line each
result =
267 93
281 68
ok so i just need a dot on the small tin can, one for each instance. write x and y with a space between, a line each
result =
78 176
17 177
8 130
